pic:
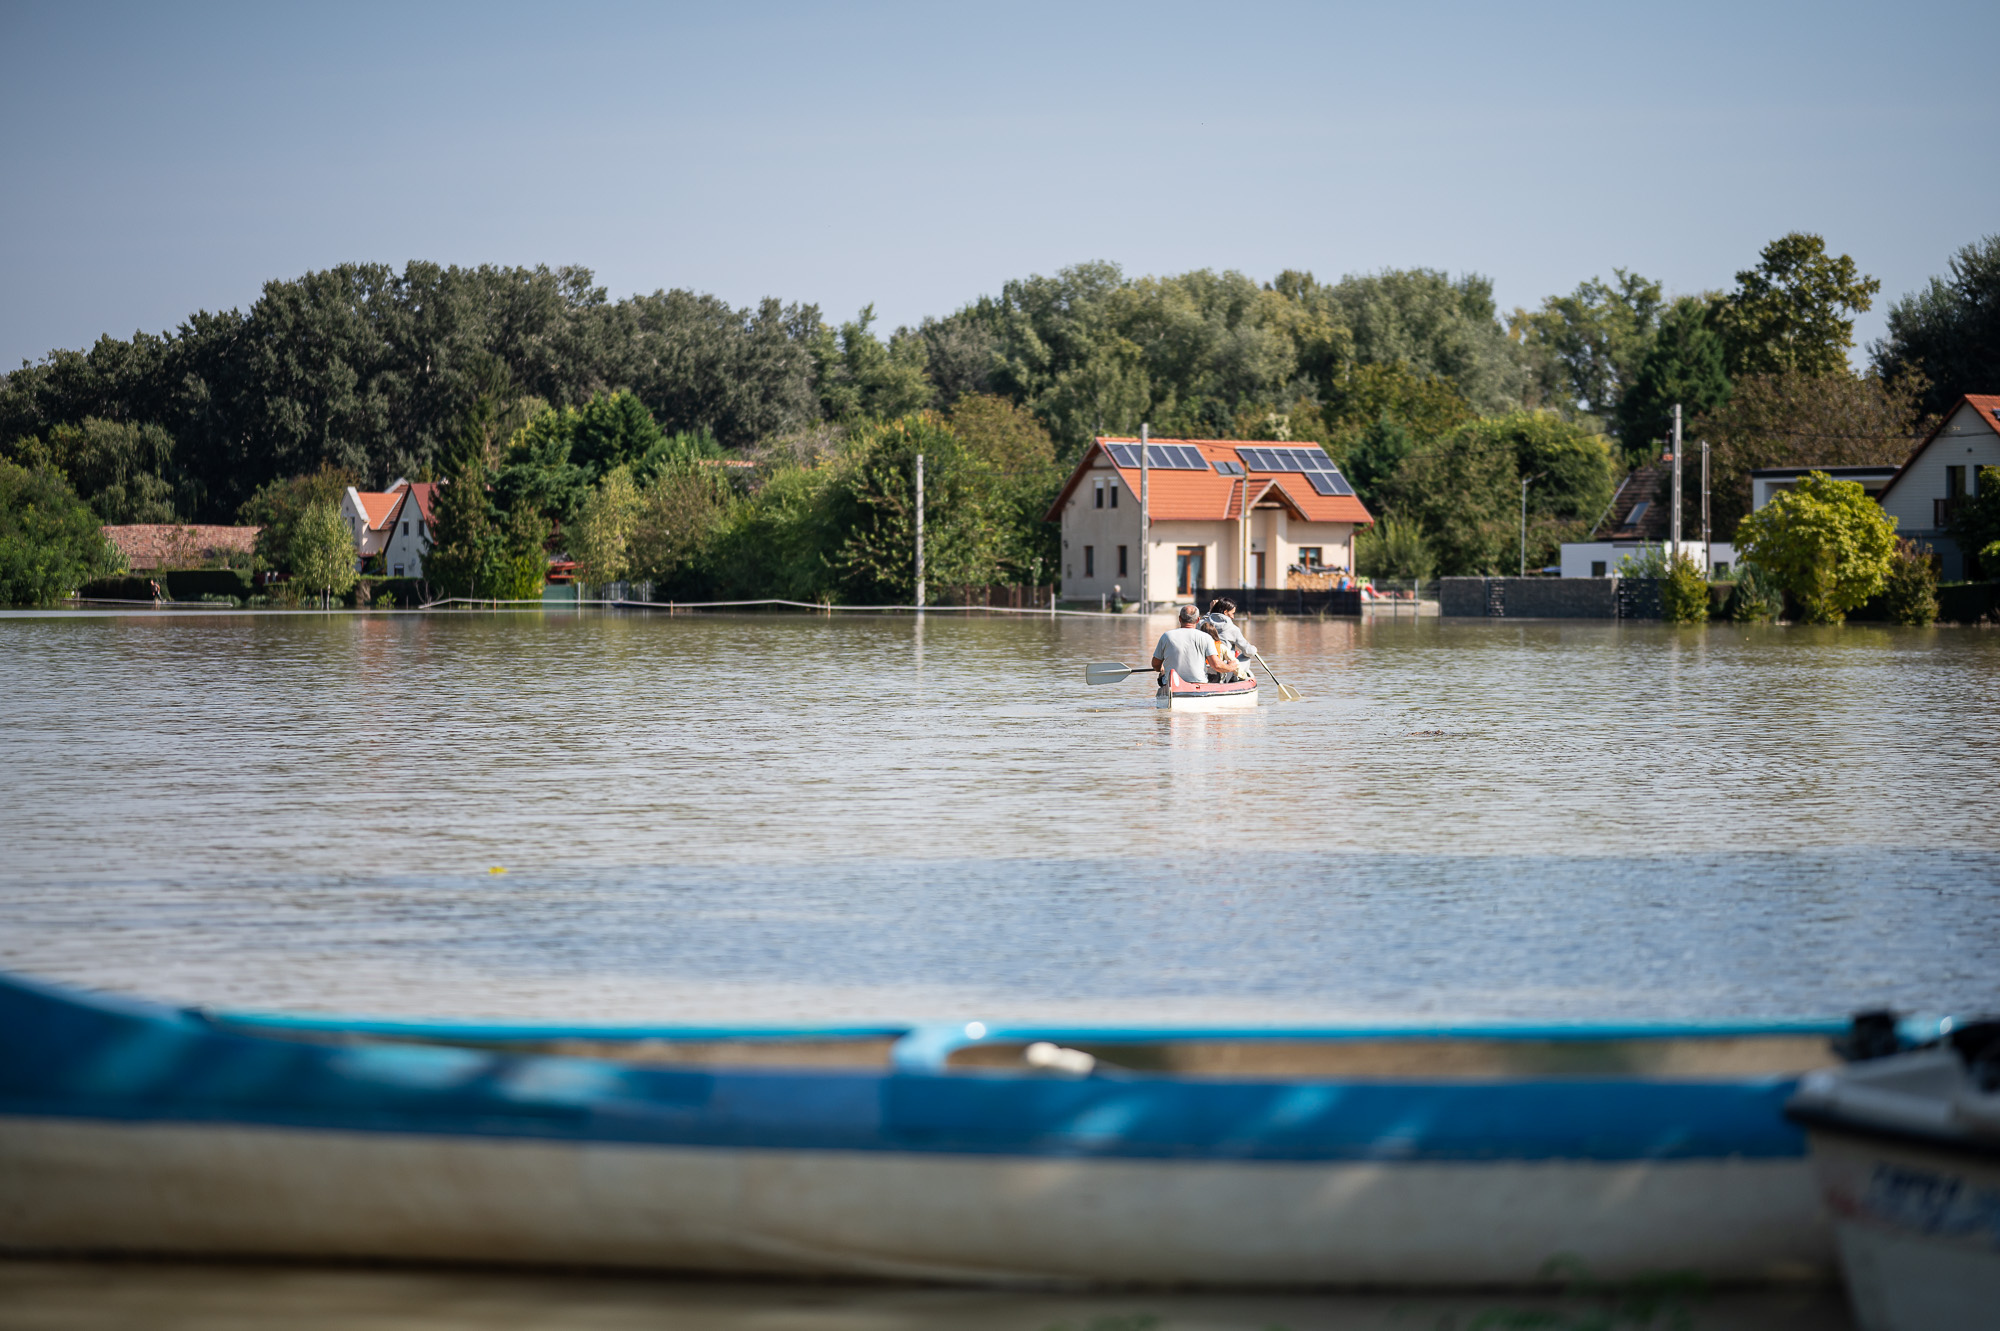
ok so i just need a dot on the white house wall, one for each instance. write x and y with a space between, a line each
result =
1103 529
409 540
1967 440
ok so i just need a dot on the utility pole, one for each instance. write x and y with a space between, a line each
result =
1145 530
1707 547
920 531
1675 517
1526 481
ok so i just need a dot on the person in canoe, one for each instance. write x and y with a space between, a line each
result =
1188 652
1236 670
1222 614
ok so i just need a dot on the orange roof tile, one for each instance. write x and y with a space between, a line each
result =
1178 495
380 507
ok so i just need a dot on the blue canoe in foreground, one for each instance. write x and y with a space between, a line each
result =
1438 1157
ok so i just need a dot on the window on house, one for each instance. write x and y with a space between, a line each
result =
398 572
1121 561
1954 482
1100 495
1089 561
1721 569
1638 511
1596 568
406 529
1114 496
1309 556
1190 569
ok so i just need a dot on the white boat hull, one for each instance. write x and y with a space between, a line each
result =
1918 1232
207 1190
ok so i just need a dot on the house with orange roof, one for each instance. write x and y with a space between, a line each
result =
396 523
1223 514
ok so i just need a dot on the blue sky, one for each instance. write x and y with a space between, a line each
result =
166 158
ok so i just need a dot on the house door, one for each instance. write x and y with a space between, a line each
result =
1189 569
1258 574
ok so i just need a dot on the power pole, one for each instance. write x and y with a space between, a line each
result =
1526 481
1676 516
1707 547
920 531
1145 530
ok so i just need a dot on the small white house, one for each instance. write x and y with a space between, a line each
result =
1640 519
396 523
1942 473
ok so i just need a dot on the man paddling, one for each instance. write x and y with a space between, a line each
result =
1189 652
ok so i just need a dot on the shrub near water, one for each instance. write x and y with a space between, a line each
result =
1755 599
1910 596
1683 592
1826 542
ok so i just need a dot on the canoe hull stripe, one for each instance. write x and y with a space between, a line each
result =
67 1057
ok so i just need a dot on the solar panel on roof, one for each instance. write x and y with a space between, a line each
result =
1315 458
1125 455
1254 457
1189 458
1228 468
1329 483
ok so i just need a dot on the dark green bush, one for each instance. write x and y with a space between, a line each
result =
1911 595
1756 598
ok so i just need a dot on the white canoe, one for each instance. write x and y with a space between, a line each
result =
1442 1157
1182 696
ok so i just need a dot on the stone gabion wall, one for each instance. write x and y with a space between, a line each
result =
1529 598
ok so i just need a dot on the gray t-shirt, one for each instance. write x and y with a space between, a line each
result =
1186 652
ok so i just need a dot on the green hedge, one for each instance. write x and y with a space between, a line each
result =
388 593
1968 602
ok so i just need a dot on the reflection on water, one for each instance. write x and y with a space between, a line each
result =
99 1297
864 817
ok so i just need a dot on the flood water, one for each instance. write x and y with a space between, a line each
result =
766 818
854 818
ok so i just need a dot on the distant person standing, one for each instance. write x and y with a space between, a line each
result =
1188 652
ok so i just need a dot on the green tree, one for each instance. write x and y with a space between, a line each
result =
524 563
1975 522
50 541
876 508
602 540
322 556
1466 491
1393 549
1826 542
1683 365
1586 347
1794 310
861 376
124 470
1947 336
467 548
676 521
278 506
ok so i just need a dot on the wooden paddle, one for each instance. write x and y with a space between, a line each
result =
1107 672
1286 693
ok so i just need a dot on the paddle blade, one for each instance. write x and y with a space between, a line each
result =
1286 693
1107 672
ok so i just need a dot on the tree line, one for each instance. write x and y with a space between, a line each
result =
597 424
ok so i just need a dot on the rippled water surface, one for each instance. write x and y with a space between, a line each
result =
765 818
